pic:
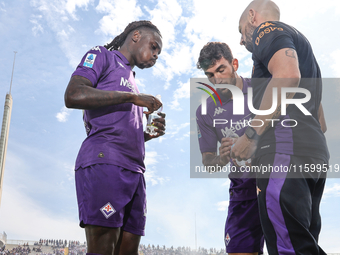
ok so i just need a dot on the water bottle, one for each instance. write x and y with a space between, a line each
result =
150 128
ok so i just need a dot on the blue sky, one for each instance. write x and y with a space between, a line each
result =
51 36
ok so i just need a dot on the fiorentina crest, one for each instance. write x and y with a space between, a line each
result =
227 239
107 210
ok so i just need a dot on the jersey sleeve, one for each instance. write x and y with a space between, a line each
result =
207 137
269 38
93 64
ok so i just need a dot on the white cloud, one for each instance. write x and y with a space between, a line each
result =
222 206
335 55
3 7
183 91
119 14
333 191
153 178
161 139
37 27
175 62
140 82
72 4
226 183
62 116
296 15
55 13
69 169
185 135
175 129
30 220
222 27
166 16
151 159
175 58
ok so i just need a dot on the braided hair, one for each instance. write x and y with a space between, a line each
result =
119 40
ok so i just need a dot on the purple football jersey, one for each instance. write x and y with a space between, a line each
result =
243 187
114 133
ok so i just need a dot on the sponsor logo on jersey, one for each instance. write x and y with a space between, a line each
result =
198 129
124 82
266 31
219 110
107 210
199 132
235 126
121 64
89 60
96 48
227 239
267 24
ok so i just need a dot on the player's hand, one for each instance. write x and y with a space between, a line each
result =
148 101
224 150
160 124
244 148
237 165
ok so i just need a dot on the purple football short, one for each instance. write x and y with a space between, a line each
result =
111 196
243 232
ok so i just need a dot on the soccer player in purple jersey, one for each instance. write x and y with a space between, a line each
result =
289 200
243 233
110 164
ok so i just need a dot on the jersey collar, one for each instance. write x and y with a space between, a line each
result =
122 57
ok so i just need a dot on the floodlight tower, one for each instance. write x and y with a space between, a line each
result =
6 120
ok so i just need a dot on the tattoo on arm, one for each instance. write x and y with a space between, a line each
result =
80 94
291 53
275 116
277 112
211 159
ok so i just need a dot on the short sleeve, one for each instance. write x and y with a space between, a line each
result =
269 38
207 137
93 64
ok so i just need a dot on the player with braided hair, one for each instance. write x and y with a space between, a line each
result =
119 40
110 164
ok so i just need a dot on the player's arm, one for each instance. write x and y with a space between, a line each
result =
80 94
212 159
284 68
322 120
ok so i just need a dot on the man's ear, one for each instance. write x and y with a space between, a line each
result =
136 35
234 62
251 16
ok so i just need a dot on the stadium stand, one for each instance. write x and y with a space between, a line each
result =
50 247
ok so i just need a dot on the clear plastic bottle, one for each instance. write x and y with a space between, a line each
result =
150 128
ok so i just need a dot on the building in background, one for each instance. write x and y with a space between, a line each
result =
6 120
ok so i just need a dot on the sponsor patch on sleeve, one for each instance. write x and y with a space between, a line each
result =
89 60
199 132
